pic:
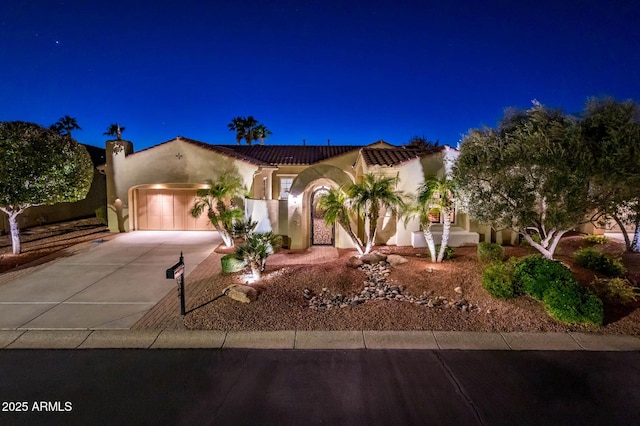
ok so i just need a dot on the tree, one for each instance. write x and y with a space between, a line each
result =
115 130
65 125
525 175
40 167
438 194
336 210
218 202
369 197
422 142
249 129
611 152
261 133
256 249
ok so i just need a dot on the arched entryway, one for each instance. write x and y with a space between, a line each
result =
321 233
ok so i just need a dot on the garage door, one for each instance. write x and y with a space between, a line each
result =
169 209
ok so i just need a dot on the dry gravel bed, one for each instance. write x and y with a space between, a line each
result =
281 304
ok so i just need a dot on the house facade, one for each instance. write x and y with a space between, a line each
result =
155 188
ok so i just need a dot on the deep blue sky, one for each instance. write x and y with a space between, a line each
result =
350 71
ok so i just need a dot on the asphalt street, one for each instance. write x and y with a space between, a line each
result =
281 387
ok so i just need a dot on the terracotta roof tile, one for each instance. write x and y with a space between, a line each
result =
288 154
395 156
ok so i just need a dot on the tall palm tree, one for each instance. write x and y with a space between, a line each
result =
250 125
261 133
372 195
65 125
217 201
436 193
237 125
336 210
115 130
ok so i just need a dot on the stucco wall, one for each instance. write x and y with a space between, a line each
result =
174 162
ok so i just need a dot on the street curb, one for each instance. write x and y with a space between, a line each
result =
315 340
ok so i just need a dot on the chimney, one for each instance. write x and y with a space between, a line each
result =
304 142
328 142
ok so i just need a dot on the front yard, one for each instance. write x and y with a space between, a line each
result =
281 303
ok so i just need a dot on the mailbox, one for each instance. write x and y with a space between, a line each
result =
176 272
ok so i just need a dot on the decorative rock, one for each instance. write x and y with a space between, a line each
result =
458 290
241 293
373 258
354 262
395 260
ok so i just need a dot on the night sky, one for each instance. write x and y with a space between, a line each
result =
350 71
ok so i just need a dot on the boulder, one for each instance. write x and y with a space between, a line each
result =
354 262
373 258
241 293
395 260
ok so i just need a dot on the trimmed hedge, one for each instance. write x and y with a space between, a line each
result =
231 263
590 258
498 280
550 282
490 252
573 304
536 273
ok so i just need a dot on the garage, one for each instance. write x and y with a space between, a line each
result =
168 209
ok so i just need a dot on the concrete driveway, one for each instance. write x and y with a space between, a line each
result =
111 286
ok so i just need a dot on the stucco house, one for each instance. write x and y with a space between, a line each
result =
155 188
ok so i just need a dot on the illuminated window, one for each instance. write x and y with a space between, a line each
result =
285 187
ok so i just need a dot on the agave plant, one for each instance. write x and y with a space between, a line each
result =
256 249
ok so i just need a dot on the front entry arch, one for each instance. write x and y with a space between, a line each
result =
321 233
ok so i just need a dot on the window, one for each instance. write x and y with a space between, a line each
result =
435 215
285 187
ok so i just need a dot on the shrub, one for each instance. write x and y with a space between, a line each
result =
598 262
596 239
570 303
535 274
448 252
498 280
231 263
490 252
101 214
615 291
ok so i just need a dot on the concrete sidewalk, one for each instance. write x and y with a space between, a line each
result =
341 340
110 286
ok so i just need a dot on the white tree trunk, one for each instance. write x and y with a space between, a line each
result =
546 252
15 232
446 229
431 245
635 244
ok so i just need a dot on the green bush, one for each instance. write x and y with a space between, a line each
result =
572 304
598 262
101 214
617 291
535 274
499 281
231 263
596 239
490 252
448 252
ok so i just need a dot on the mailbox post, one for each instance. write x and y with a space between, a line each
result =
177 272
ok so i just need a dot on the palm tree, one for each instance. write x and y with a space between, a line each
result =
65 125
256 249
261 133
237 125
372 195
217 201
336 210
436 194
250 125
249 129
115 130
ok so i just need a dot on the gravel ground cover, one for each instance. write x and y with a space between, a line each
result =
445 296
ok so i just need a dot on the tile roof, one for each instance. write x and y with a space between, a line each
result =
395 156
290 155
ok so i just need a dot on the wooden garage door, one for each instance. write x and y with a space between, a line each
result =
169 209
